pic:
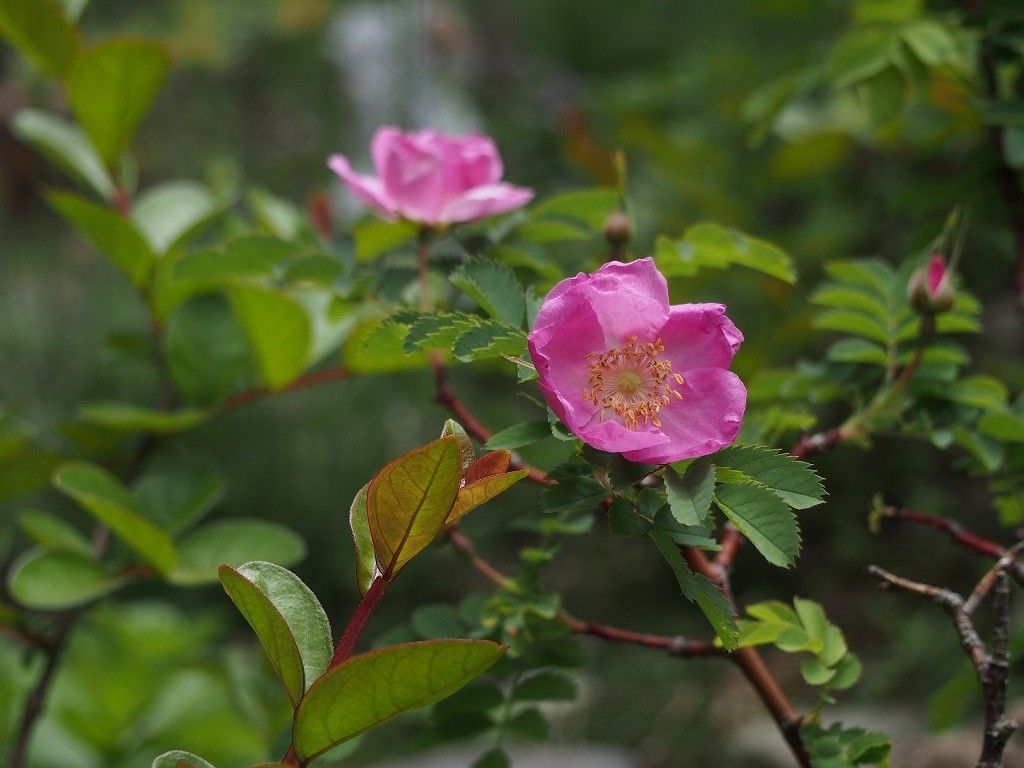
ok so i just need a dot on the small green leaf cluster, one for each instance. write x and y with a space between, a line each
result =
838 747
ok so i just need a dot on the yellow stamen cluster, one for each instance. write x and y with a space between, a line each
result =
631 382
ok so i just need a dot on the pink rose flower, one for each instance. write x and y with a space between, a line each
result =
630 374
432 178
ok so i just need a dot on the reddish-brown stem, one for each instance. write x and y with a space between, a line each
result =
820 441
786 716
313 379
674 646
357 623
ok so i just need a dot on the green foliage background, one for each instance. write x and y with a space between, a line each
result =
679 87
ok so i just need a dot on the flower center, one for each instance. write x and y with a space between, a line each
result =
632 382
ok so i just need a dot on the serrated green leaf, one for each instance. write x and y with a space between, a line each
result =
689 494
854 323
493 287
39 30
518 435
760 515
489 339
111 87
64 145
792 480
623 519
52 580
233 542
714 246
701 590
101 494
108 232
855 350
373 687
408 501
270 627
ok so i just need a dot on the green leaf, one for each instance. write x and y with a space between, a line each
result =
707 245
814 672
177 497
979 391
858 351
1005 426
588 207
623 519
408 501
39 30
279 331
493 758
375 237
373 687
233 542
53 533
111 87
792 480
529 723
545 686
180 759
64 145
859 55
837 747
270 627
689 494
277 216
101 494
700 590
125 417
931 42
493 287
366 560
172 212
518 435
300 609
432 622
107 231
57 579
760 515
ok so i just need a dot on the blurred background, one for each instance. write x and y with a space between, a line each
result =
261 92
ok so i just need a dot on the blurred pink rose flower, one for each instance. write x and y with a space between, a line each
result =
630 374
432 178
931 287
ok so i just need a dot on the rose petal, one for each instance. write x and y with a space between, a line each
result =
706 419
611 436
699 336
474 162
366 188
629 299
559 344
936 273
480 202
412 171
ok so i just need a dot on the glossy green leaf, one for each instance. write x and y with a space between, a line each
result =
172 212
280 332
126 417
101 494
177 497
180 759
689 494
111 87
51 532
51 580
233 542
64 145
760 515
110 233
792 480
494 287
366 560
270 627
700 590
39 30
373 687
301 611
472 495
408 501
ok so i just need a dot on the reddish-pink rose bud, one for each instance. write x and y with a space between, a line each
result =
931 288
432 178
